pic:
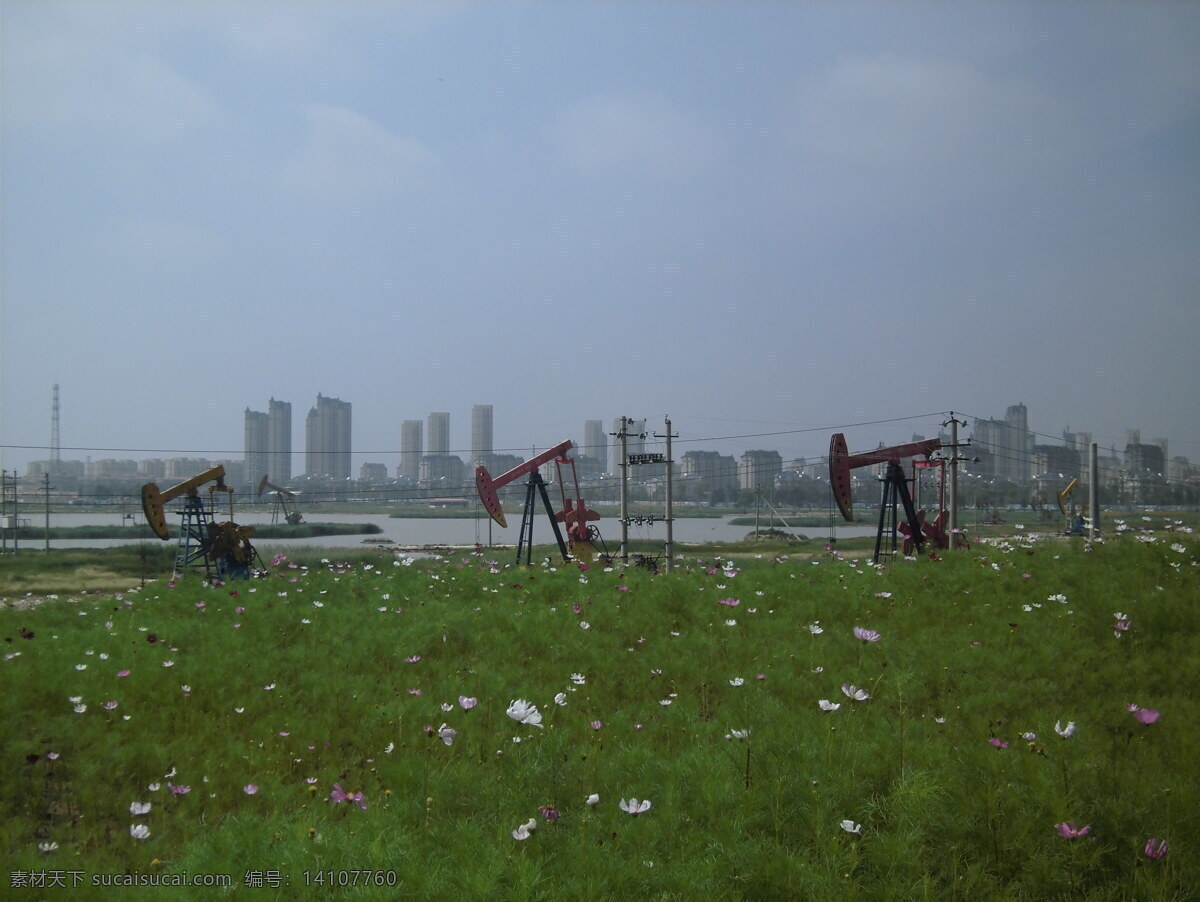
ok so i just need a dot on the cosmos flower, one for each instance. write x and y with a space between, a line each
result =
853 692
1155 848
340 795
1071 830
736 681
249 789
139 808
998 743
593 799
179 790
447 734
815 628
633 806
826 705
1143 715
139 831
467 703
866 635
850 827
1065 732
524 712
560 699
738 734
525 830
578 679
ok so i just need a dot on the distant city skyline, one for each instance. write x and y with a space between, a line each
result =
769 221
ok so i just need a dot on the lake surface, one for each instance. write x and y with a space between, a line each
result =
437 531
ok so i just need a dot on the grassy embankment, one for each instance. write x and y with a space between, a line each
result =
230 730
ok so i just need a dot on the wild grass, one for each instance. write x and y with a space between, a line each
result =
697 690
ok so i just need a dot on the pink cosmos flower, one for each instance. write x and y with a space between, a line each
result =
731 602
866 635
121 674
467 703
1143 715
179 790
340 795
596 724
249 789
412 659
1155 848
998 743
1071 830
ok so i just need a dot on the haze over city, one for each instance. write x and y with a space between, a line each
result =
767 220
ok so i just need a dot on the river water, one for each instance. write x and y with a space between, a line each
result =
437 531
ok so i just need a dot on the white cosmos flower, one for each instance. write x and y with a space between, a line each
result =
593 799
578 679
815 628
139 808
738 734
524 712
139 831
1065 732
736 681
447 733
851 691
826 705
633 806
560 699
850 827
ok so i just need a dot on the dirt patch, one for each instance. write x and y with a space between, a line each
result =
77 581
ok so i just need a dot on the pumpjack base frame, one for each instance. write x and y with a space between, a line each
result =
536 485
895 491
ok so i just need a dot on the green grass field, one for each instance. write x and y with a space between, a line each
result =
181 730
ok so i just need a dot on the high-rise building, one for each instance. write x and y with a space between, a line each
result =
481 434
1020 442
327 437
255 444
279 442
268 443
595 442
439 433
411 449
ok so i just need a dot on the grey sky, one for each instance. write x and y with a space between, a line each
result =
756 217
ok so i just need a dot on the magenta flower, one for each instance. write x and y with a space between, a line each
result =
340 795
1070 830
249 789
866 635
121 674
998 743
548 812
412 659
1155 849
1144 715
596 724
731 602
179 790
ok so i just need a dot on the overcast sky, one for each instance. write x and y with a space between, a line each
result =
768 220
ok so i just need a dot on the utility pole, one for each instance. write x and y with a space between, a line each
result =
622 435
46 485
953 462
670 503
1094 492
